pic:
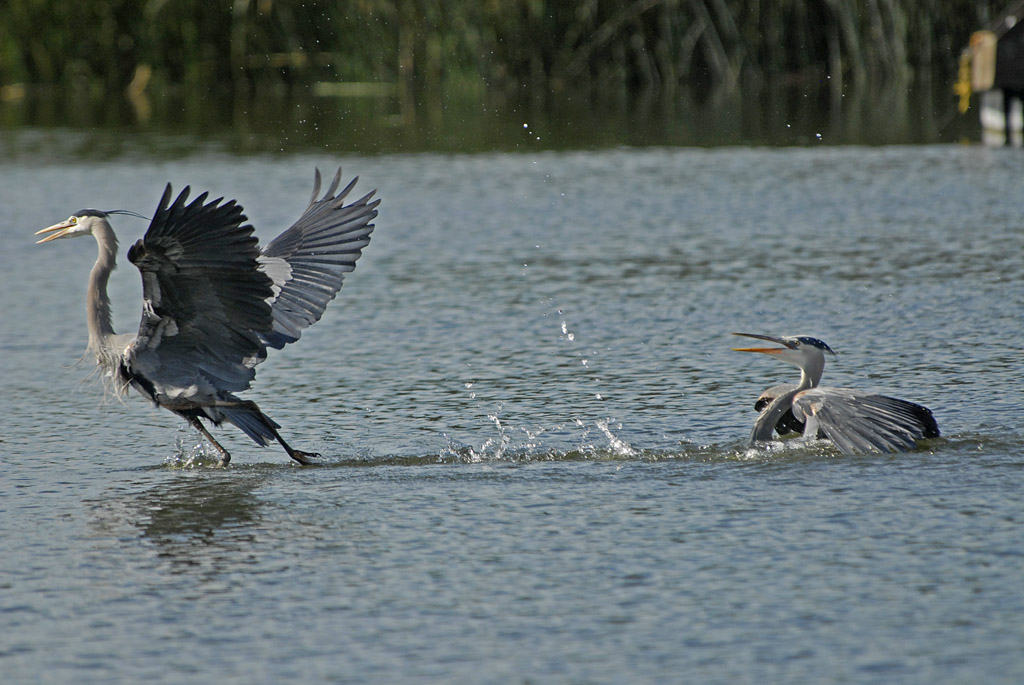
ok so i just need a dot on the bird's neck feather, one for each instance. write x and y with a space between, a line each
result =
98 312
810 374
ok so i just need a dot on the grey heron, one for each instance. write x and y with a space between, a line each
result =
853 420
214 301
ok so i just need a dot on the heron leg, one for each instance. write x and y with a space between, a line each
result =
225 457
303 458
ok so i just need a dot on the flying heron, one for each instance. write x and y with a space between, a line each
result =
855 421
213 301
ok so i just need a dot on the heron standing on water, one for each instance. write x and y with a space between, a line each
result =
214 301
855 421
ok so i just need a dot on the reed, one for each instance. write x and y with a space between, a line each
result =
509 48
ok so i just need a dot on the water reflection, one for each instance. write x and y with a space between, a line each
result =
274 120
197 510
202 520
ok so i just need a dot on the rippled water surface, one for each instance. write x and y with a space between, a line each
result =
534 431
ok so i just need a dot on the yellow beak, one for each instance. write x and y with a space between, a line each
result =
56 231
765 350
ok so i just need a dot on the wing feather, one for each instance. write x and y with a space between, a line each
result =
787 423
860 422
308 262
204 299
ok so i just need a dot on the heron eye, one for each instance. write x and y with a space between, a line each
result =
74 220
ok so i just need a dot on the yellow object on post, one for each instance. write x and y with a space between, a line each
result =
983 60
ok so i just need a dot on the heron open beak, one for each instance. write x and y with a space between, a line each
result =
786 345
56 231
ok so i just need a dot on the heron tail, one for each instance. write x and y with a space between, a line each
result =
248 418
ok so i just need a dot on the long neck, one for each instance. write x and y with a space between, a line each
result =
808 380
98 314
811 371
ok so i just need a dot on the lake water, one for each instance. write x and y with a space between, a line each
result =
534 430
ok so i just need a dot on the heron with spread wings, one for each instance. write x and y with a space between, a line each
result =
855 421
213 301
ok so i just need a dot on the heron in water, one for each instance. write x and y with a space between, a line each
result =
213 301
855 421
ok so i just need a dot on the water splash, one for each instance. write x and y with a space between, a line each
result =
497 445
190 453
618 446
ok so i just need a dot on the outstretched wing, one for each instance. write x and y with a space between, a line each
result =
308 262
204 299
859 422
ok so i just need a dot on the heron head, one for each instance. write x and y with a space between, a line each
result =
803 351
81 222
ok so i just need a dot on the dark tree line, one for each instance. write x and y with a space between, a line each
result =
532 47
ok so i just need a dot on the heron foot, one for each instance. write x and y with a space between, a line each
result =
304 458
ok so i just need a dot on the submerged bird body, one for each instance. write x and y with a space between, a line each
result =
853 420
213 301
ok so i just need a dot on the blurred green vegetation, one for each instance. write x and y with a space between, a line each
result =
73 60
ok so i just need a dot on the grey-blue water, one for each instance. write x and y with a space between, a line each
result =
534 431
